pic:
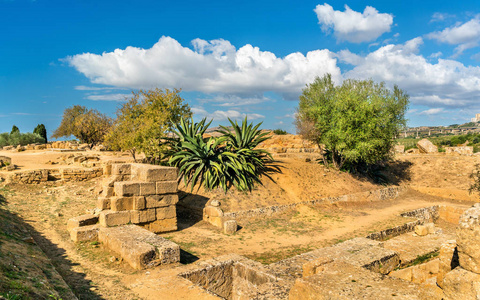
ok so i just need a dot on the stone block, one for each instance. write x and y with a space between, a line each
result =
167 212
108 218
121 203
83 220
167 187
430 228
230 227
142 216
151 173
212 211
103 203
107 170
84 233
139 202
164 225
461 284
127 188
148 188
450 214
405 274
448 257
421 230
154 201
425 146
315 266
216 221
107 191
121 169
468 239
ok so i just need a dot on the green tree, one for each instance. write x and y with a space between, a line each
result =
41 131
145 120
14 130
354 124
88 125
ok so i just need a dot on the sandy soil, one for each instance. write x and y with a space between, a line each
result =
93 273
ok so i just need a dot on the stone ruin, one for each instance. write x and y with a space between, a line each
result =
425 146
136 201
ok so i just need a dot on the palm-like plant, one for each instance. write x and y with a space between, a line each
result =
225 161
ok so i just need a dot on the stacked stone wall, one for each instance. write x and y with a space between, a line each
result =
77 174
28 177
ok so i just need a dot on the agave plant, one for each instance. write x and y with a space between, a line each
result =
225 161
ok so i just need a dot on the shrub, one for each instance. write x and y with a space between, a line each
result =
219 162
17 138
279 132
41 131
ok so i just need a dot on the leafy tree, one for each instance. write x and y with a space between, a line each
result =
41 131
88 125
14 130
220 162
355 123
280 132
145 120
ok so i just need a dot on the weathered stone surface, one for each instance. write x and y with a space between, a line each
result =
430 228
399 149
83 220
462 150
425 146
164 225
230 227
84 233
139 202
148 188
121 203
103 203
127 188
421 230
461 284
341 280
107 191
216 221
154 201
121 169
143 216
5 161
211 211
215 203
167 212
468 239
419 273
139 247
167 187
151 173
450 214
448 257
108 218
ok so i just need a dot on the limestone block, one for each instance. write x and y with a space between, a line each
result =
430 228
450 214
121 169
461 283
83 220
151 173
230 227
148 188
216 221
212 211
167 187
421 230
448 257
139 202
107 170
109 218
405 274
167 212
425 146
315 266
121 203
108 191
399 148
164 225
127 188
103 203
154 201
143 216
468 239
84 233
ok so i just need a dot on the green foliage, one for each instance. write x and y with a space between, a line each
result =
475 175
219 162
354 123
17 138
41 131
88 125
14 130
279 132
145 120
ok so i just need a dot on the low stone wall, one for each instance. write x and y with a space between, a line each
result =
426 214
77 174
393 232
28 177
463 150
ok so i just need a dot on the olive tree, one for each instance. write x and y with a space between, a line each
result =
145 119
355 123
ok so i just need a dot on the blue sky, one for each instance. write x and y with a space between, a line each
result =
234 58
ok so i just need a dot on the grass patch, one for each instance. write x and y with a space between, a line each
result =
422 259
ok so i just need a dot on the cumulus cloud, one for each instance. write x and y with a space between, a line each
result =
235 100
108 97
211 67
440 17
353 26
432 111
221 115
466 35
446 83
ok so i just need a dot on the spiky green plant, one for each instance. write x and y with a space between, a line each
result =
225 161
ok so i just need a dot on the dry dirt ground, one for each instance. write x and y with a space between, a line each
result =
91 272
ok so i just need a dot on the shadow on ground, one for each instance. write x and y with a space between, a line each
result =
390 173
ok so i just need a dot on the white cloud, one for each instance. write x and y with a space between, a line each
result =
440 17
235 100
220 115
108 97
353 26
476 56
446 83
93 88
432 111
466 35
212 67
436 54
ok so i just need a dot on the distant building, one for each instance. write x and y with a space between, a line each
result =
476 119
